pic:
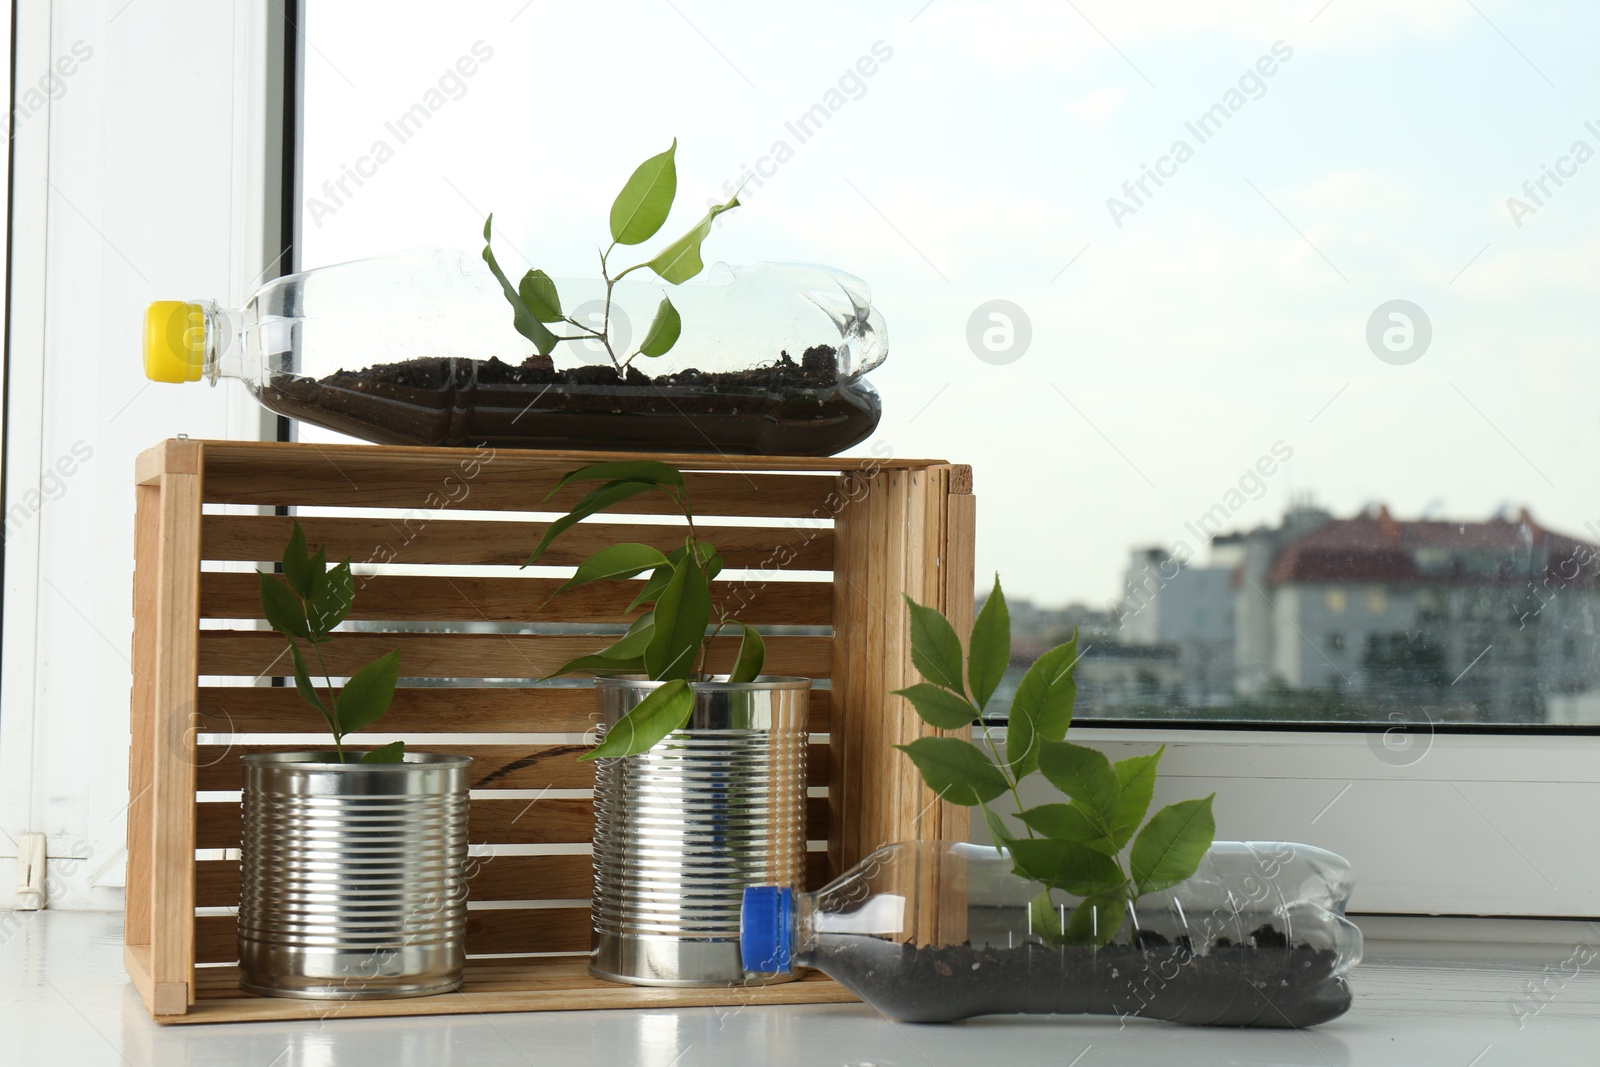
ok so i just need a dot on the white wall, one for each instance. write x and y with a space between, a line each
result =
142 179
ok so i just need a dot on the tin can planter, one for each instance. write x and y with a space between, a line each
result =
681 830
351 880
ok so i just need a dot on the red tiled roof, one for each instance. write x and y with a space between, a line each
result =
1383 551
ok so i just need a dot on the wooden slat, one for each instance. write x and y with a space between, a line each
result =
457 479
136 961
255 653
488 878
541 983
513 766
487 973
500 542
488 930
897 539
430 710
172 605
960 525
422 458
406 598
548 821
141 762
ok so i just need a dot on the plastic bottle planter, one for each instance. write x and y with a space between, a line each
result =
419 349
938 931
351 882
682 830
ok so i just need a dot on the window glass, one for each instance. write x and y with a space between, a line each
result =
1262 324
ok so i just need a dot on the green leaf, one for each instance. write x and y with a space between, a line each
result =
1067 865
956 770
666 709
939 707
393 752
522 317
646 199
989 651
997 827
538 292
648 471
281 607
1044 919
1136 778
653 586
599 664
1095 921
682 613
935 648
1042 708
1172 844
614 563
297 563
680 261
1083 774
598 500
307 691
752 655
1022 746
710 562
664 331
1069 822
625 655
632 644
366 696
331 599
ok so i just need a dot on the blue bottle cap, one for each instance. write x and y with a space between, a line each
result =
765 938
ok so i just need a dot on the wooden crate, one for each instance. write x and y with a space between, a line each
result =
202 661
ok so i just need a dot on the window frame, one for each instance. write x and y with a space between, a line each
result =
1486 792
89 246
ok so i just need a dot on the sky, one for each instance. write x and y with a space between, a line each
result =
1178 333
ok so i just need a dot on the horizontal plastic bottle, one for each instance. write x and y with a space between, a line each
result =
419 348
938 931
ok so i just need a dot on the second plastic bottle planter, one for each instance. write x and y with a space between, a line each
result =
939 931
682 830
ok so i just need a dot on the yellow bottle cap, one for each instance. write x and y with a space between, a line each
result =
174 341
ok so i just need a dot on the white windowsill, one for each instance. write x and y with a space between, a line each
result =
1425 997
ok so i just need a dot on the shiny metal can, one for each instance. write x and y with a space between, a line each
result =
681 830
352 882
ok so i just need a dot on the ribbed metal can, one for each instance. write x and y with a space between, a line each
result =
681 830
351 876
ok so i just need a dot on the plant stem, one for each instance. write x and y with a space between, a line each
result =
605 321
333 702
1005 771
705 646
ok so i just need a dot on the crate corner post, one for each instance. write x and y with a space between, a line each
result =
159 931
901 531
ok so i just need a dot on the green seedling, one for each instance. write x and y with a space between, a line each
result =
305 604
638 212
1097 844
668 642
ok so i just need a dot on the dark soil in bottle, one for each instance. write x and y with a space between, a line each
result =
783 408
1268 983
